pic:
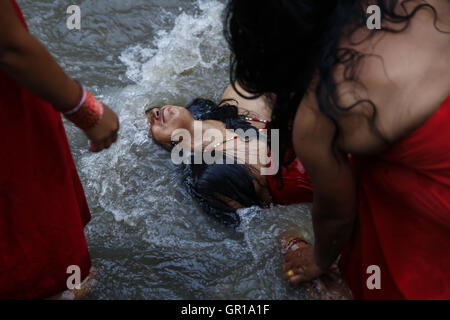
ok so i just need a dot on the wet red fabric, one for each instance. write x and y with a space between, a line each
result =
296 187
42 205
404 217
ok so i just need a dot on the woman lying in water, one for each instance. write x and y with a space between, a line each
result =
222 189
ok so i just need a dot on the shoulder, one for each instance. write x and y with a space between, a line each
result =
259 107
405 75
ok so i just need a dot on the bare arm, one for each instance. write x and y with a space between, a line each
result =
27 61
334 206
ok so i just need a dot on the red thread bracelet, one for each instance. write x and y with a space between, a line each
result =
291 243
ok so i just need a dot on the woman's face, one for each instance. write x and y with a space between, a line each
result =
164 121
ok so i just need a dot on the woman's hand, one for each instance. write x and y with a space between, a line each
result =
104 134
301 265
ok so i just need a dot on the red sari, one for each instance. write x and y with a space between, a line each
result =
404 217
294 185
42 205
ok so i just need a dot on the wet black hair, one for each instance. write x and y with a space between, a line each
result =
225 111
212 185
279 46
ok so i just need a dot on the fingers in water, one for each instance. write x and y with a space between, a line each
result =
288 274
108 142
92 147
287 266
97 147
295 280
105 144
292 256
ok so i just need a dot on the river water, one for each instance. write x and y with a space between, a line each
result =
147 237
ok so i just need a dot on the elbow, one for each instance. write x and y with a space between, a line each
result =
8 55
13 50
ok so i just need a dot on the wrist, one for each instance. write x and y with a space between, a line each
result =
73 94
87 113
74 107
322 262
294 244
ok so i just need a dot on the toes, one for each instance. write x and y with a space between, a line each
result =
86 287
93 273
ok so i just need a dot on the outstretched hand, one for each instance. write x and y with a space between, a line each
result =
104 134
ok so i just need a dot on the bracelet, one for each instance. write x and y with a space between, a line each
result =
88 112
80 101
291 243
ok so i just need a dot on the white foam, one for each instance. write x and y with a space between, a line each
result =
130 179
189 60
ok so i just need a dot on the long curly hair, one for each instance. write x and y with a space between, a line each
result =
280 46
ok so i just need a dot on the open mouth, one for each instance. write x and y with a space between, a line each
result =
160 115
149 110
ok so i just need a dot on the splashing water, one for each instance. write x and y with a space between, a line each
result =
147 236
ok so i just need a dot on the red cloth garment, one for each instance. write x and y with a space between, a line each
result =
42 205
296 187
404 217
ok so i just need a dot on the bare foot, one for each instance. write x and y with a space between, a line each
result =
85 288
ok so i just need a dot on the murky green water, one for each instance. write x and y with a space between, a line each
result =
147 237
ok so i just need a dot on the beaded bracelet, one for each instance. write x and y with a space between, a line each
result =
87 113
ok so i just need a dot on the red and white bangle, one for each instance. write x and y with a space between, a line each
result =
291 243
87 113
80 101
